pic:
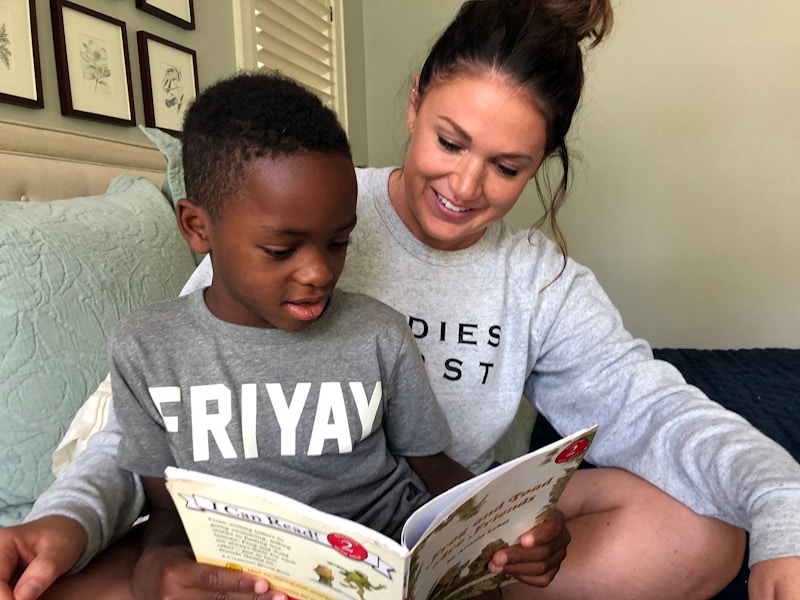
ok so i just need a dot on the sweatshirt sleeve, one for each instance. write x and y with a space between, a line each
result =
95 492
589 369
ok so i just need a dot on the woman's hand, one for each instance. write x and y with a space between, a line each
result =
538 556
33 555
171 572
775 579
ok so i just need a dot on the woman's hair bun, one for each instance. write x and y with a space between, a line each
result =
592 19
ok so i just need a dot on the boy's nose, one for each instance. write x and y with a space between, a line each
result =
316 271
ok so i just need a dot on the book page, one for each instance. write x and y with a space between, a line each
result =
306 553
449 562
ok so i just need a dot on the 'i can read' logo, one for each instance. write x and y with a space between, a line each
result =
573 451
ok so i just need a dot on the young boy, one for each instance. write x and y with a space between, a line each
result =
269 375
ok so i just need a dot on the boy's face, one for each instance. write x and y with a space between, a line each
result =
278 247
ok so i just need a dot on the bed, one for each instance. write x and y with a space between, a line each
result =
86 235
761 384
39 164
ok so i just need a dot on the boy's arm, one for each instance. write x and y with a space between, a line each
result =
167 568
438 472
164 527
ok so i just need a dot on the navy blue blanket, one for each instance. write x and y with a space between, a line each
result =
763 385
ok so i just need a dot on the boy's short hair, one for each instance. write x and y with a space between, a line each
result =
246 117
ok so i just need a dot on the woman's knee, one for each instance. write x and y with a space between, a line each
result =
649 535
720 548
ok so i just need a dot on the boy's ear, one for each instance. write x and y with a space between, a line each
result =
194 224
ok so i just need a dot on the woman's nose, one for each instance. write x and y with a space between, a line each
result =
467 180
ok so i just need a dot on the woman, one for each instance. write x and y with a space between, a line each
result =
499 313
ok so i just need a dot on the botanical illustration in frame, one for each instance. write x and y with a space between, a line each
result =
177 12
20 68
169 81
94 74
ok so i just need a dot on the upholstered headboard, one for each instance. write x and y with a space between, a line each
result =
45 164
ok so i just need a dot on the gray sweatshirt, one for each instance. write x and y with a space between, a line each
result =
495 321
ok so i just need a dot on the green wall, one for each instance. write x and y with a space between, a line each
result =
684 202
685 197
212 40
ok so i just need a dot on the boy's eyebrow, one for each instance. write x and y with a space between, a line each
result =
299 232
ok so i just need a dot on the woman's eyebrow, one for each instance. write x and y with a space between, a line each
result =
468 138
457 128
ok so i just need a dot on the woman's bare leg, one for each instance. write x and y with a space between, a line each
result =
107 576
631 540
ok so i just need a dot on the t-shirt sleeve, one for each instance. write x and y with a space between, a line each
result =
414 423
144 447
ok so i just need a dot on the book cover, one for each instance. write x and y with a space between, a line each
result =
313 555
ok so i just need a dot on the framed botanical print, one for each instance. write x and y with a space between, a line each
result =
20 68
94 75
169 81
177 12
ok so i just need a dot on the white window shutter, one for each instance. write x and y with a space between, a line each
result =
301 39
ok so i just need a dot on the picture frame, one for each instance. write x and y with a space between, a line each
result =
177 12
20 66
92 64
169 81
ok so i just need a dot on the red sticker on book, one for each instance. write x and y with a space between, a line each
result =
347 546
573 450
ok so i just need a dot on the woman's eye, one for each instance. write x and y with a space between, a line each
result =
449 146
507 171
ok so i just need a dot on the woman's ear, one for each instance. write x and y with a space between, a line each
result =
413 103
194 224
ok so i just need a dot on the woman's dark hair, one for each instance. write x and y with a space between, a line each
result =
246 117
535 44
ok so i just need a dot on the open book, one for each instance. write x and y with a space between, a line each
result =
312 555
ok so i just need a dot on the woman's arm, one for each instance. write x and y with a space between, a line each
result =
94 492
45 548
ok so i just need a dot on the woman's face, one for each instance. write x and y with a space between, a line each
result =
476 140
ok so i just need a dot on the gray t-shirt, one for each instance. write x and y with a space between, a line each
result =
323 415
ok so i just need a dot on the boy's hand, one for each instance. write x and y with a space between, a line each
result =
167 568
171 572
33 555
538 556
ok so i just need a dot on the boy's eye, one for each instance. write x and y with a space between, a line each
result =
447 145
340 244
278 254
